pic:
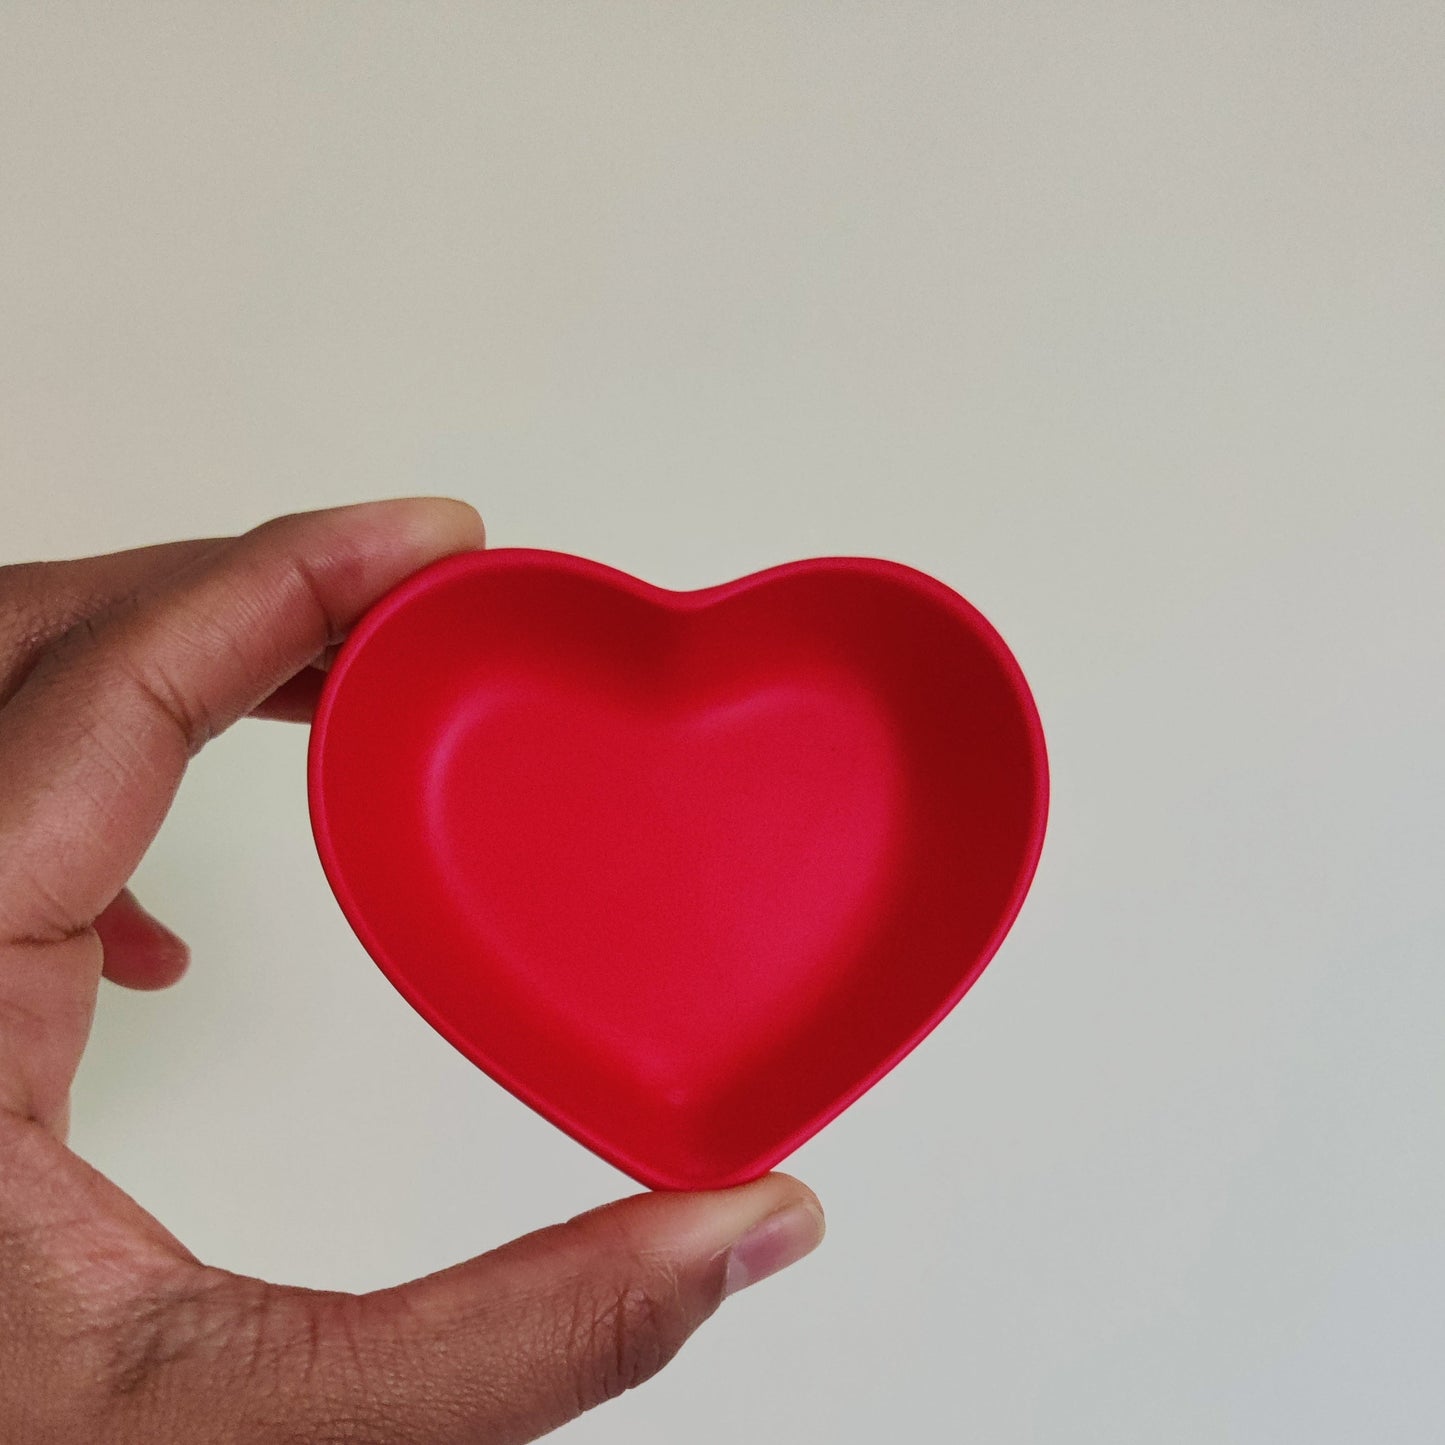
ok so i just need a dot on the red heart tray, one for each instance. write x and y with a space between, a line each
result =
686 872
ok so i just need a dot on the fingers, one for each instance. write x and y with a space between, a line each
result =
94 742
41 601
295 700
120 1334
517 1342
140 951
47 1002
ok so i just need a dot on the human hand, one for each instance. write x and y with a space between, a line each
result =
113 672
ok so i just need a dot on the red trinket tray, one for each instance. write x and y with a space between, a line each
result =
686 872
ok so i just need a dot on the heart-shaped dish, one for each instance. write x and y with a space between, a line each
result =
686 872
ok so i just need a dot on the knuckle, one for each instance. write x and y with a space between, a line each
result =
29 622
164 694
203 1319
305 574
78 639
309 584
622 1336
112 650
217 1337
280 522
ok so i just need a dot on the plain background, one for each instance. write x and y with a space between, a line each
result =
1128 321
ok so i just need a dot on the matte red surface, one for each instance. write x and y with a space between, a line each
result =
687 872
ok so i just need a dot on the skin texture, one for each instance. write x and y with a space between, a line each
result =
114 671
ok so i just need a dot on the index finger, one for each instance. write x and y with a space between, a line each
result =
94 743
41 601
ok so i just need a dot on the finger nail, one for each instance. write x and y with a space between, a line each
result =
772 1244
431 524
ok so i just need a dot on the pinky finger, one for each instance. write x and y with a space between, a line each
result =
140 951
295 700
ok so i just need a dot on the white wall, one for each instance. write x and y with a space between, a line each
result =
1125 319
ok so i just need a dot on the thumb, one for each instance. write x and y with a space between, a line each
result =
511 1345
